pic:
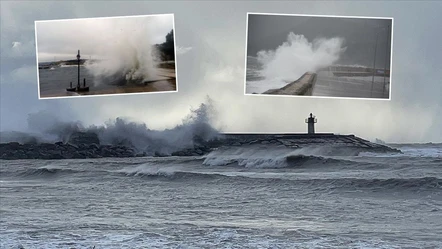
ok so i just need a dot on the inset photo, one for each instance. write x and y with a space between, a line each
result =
103 56
321 56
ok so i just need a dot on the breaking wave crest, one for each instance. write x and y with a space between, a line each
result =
263 157
400 184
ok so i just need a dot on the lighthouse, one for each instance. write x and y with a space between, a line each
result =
311 120
78 61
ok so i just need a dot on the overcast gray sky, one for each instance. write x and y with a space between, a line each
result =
213 34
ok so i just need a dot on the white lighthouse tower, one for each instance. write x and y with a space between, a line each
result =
311 124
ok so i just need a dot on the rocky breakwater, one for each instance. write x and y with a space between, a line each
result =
325 143
87 145
80 145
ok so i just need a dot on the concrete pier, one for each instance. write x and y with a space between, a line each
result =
304 140
302 86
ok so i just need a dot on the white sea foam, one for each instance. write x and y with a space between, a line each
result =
435 152
248 157
148 170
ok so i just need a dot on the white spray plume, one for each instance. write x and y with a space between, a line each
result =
295 57
195 127
127 54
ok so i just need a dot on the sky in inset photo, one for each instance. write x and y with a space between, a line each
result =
99 37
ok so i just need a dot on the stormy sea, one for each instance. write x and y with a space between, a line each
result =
243 197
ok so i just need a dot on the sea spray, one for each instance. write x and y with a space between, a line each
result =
278 156
293 58
195 128
297 55
128 55
47 127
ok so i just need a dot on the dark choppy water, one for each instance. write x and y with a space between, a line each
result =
54 81
228 199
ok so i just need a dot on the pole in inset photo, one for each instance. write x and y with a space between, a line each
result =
78 88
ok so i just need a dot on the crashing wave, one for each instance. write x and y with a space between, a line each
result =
195 128
277 157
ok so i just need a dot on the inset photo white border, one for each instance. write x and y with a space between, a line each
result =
318 56
106 56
